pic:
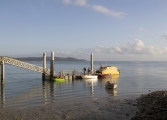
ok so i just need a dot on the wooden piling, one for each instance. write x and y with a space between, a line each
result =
2 72
74 74
44 66
52 65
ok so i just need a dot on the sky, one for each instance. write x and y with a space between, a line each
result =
113 30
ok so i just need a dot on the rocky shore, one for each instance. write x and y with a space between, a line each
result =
152 106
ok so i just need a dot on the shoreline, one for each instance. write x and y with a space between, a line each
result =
103 108
151 106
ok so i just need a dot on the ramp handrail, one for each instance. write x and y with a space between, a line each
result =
25 65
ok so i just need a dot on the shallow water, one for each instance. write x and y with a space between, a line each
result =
24 88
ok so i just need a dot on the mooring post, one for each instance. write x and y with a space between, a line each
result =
91 63
52 65
44 66
74 74
2 72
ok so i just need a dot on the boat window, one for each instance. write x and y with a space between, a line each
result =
112 68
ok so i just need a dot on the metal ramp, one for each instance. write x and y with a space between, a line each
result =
21 64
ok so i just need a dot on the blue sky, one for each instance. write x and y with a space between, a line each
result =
110 29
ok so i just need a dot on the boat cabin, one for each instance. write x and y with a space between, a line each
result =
111 70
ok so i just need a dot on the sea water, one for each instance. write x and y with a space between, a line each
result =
24 88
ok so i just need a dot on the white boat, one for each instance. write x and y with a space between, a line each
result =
110 85
89 76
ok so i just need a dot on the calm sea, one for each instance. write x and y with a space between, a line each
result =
24 88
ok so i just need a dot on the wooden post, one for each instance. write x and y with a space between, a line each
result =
44 66
91 63
2 72
74 74
52 65
61 73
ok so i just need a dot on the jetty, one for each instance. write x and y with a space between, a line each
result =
46 73
12 61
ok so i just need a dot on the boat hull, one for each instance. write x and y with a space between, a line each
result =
111 85
89 76
58 79
78 77
103 75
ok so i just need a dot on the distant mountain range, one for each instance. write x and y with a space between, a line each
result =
49 58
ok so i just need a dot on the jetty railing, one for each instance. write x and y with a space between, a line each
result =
25 65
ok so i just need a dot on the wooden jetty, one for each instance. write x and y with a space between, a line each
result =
46 73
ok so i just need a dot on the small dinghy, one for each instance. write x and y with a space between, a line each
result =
58 79
110 85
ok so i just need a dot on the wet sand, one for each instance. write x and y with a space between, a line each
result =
94 109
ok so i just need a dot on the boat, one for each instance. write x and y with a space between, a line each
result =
107 71
112 79
78 77
89 76
110 85
58 79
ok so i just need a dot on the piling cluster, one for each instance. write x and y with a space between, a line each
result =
152 106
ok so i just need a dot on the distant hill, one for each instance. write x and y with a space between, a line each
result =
49 58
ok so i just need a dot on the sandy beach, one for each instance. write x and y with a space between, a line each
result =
94 109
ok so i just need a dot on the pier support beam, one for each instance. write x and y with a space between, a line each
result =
2 72
44 66
52 65
91 63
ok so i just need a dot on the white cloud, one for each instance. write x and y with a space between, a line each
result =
76 2
66 1
164 35
134 51
97 8
108 12
136 48
141 29
80 2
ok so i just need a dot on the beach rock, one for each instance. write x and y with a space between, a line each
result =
152 106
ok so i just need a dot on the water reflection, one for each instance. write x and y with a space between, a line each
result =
51 92
111 92
52 89
3 95
112 79
44 91
91 83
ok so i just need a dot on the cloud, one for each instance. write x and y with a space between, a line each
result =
66 1
97 8
76 2
164 35
141 29
136 48
80 2
108 12
133 51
